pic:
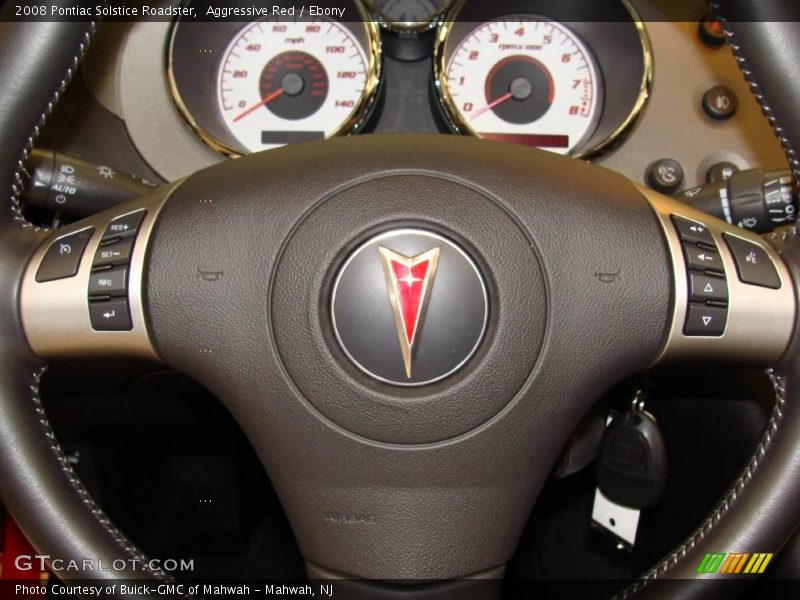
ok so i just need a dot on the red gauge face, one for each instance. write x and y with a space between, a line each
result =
525 80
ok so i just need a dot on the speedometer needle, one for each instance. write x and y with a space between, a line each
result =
263 102
491 105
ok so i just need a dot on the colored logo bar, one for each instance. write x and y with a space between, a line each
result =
735 562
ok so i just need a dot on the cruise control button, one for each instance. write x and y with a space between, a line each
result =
704 320
63 257
118 253
111 315
125 225
753 264
704 288
111 282
702 259
692 232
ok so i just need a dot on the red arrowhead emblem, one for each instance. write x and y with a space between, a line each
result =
409 280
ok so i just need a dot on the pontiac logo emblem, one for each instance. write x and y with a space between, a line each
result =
409 281
409 307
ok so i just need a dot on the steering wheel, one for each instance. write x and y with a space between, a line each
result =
407 328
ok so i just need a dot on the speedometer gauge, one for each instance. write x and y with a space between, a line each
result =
281 82
247 87
526 80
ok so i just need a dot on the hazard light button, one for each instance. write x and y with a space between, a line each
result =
705 320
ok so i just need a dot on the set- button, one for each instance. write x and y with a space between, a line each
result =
707 313
109 307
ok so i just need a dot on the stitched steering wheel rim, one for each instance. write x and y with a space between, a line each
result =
17 491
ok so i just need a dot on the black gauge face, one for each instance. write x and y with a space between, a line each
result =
299 84
529 86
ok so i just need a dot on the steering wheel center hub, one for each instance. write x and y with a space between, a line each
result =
410 308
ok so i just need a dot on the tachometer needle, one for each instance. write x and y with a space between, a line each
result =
491 105
263 102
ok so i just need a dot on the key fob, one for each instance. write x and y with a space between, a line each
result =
632 463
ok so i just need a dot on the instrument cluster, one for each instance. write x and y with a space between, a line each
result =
530 72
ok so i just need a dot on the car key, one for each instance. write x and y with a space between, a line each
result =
631 473
632 463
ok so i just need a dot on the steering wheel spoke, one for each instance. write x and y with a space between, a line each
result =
733 296
82 291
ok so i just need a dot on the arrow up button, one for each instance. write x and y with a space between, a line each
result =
704 288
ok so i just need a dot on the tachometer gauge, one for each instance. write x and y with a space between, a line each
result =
526 80
281 82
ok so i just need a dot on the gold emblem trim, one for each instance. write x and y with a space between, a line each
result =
392 284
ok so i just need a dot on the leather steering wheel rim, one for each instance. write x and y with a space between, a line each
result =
39 486
41 490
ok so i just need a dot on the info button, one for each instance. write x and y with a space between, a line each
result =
112 282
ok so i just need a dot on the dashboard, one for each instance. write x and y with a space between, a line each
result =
616 82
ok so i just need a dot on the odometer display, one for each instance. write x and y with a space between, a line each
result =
281 82
525 80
